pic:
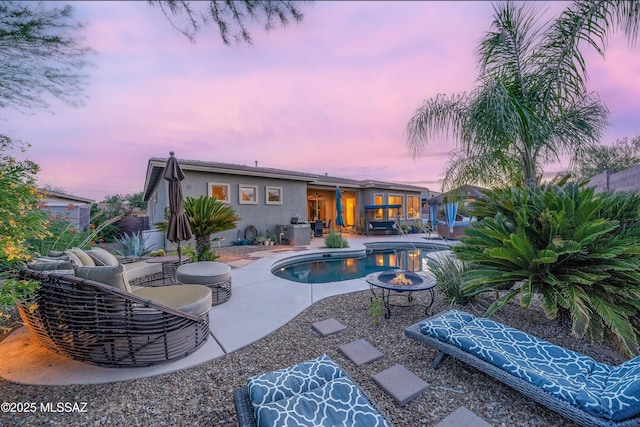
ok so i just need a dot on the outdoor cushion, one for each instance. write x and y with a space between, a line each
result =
73 258
138 269
109 275
342 403
316 392
43 264
102 257
203 273
557 370
84 258
443 325
293 380
621 397
194 299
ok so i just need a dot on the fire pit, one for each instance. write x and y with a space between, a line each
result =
400 283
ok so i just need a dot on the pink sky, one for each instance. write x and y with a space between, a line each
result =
332 94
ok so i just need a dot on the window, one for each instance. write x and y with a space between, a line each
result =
378 199
219 191
248 194
413 207
273 195
395 199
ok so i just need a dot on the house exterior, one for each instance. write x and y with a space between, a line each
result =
268 198
76 210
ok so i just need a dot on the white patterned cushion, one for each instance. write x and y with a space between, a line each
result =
313 393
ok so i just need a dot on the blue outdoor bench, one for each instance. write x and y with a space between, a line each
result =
313 393
382 226
572 384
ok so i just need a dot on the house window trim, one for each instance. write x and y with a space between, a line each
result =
269 188
219 184
255 193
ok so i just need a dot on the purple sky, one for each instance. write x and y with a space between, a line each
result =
332 94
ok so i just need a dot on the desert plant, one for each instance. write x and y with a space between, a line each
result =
449 273
133 245
207 216
376 310
575 249
335 240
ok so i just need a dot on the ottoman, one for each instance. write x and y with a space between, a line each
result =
215 275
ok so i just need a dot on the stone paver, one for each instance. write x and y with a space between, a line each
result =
401 384
328 327
360 352
462 417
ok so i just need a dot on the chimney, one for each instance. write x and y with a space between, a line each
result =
256 163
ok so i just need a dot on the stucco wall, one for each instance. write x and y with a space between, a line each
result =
261 215
626 180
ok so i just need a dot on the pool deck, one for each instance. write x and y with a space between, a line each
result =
260 303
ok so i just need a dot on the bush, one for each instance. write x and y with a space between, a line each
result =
449 273
575 249
335 240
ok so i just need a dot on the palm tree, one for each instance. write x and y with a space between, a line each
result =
207 216
530 104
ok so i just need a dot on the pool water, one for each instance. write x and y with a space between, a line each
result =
339 269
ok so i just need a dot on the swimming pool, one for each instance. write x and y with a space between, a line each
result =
336 268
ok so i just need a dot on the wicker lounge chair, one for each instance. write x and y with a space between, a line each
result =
575 386
103 325
316 392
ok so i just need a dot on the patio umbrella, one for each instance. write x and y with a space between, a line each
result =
178 227
433 215
451 209
339 219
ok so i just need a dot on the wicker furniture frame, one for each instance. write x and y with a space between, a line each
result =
95 323
533 392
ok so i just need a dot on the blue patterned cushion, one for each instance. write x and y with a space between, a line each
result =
589 396
293 380
559 371
446 323
621 396
337 403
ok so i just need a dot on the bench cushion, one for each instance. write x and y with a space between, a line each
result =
135 270
557 370
611 393
203 273
316 392
194 299
342 403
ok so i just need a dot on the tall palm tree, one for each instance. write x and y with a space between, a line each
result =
530 104
207 216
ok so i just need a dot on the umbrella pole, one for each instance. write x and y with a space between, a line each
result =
179 254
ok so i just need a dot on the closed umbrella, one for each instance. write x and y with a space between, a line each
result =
433 215
339 219
178 227
451 209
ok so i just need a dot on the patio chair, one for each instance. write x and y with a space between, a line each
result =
316 392
105 325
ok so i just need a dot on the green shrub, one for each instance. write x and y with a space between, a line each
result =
575 249
335 240
449 273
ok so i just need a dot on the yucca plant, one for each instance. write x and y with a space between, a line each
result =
575 249
335 240
207 216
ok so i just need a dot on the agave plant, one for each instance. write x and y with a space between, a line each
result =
133 245
207 216
575 249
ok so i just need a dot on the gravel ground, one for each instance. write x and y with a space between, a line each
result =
202 395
